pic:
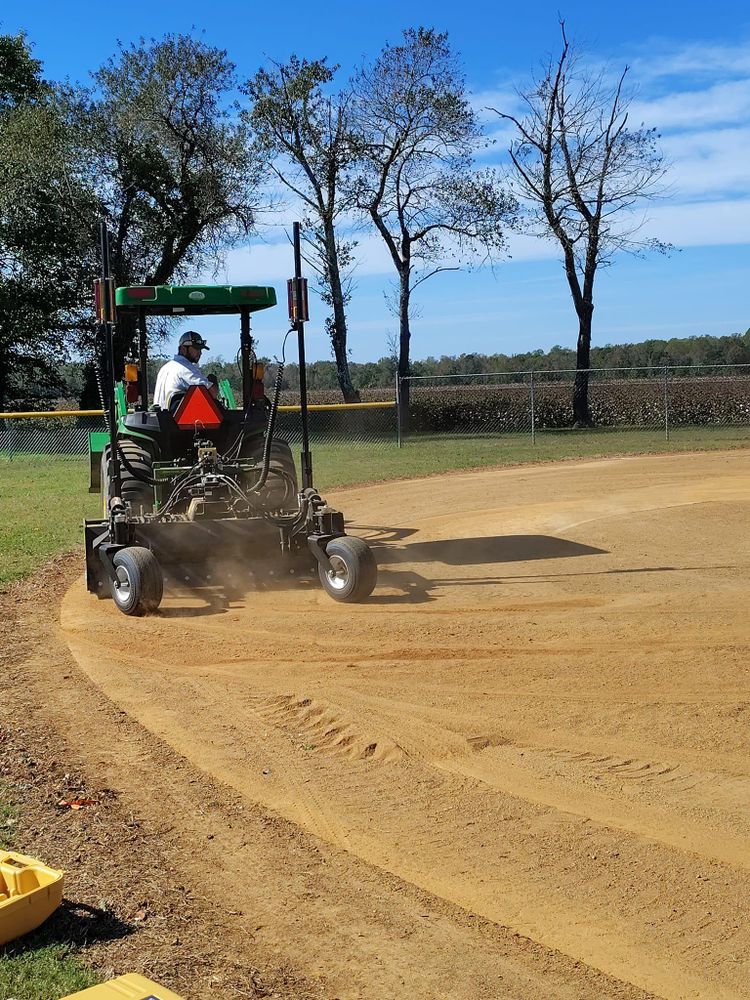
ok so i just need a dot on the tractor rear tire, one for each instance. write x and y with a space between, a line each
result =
280 490
138 494
140 584
353 573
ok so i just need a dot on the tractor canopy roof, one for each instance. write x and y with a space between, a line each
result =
194 300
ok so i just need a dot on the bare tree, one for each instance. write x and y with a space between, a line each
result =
583 172
306 130
416 179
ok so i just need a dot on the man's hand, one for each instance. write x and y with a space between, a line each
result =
213 385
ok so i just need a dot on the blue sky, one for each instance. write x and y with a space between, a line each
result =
691 67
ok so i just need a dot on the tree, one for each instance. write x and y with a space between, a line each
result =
582 172
174 172
307 132
416 183
45 219
20 74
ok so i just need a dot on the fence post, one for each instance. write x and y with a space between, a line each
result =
666 403
533 411
398 410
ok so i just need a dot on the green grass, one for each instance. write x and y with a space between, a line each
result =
45 973
44 500
427 455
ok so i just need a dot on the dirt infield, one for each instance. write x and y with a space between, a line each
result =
519 771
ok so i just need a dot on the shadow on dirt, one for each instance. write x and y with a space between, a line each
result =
479 551
378 534
216 589
492 550
417 589
76 924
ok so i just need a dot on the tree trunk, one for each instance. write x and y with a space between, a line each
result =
581 411
337 328
404 336
350 394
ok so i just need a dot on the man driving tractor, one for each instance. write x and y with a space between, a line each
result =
177 375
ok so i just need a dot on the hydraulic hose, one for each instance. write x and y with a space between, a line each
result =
137 475
100 387
269 430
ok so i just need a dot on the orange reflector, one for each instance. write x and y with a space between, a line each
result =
131 373
198 408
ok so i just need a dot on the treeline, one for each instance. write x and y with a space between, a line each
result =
701 350
381 374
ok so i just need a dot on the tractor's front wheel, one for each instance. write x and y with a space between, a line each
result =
353 573
139 585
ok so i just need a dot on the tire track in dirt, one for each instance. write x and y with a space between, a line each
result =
359 806
506 772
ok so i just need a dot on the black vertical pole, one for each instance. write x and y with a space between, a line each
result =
143 357
109 355
307 473
245 349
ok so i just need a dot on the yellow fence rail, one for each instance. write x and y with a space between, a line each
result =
37 414
42 432
313 407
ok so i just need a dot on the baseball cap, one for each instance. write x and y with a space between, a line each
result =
191 337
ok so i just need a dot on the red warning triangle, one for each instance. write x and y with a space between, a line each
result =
198 408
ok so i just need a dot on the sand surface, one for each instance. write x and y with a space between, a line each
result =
524 759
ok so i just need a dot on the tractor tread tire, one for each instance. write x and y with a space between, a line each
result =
138 494
280 489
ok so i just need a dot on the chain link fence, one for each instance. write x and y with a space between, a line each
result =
364 425
666 399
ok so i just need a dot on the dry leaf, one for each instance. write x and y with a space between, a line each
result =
75 803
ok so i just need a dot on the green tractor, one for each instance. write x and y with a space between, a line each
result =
188 488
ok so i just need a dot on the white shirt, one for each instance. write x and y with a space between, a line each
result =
176 375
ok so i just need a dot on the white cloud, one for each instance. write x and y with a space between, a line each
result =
523 247
714 222
499 139
709 223
503 98
709 162
699 97
706 117
262 263
722 103
662 60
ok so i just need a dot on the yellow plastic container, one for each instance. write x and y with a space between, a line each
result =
29 893
130 987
